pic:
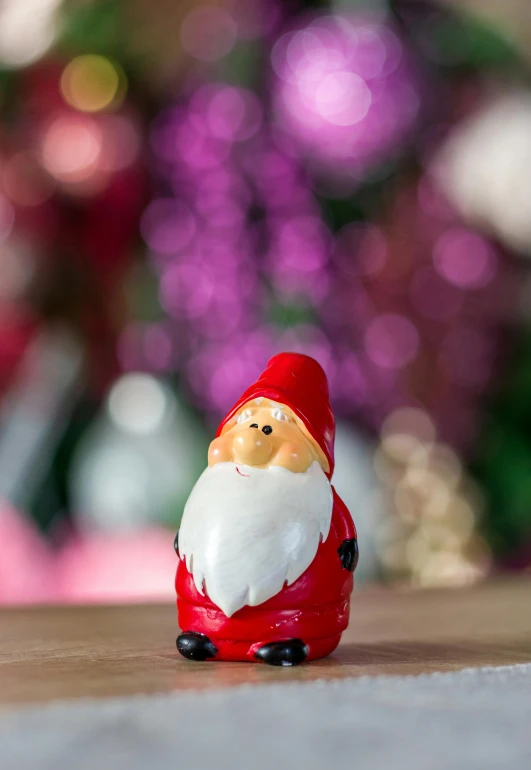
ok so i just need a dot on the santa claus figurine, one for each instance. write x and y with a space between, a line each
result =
266 546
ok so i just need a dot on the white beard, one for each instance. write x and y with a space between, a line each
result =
244 538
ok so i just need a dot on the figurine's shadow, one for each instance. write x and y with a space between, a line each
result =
363 659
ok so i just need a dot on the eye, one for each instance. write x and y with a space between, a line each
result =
278 414
244 416
267 429
254 425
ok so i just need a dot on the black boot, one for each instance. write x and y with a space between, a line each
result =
288 653
195 646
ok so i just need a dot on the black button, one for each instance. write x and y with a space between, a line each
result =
267 429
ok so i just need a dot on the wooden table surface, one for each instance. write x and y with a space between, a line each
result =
48 653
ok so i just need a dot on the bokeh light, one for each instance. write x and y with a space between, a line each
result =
71 148
409 421
314 180
391 341
116 568
24 181
255 19
345 92
79 152
208 33
241 238
464 258
27 30
431 540
91 83
231 113
138 403
168 226
484 167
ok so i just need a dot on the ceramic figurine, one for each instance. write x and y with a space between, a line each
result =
266 547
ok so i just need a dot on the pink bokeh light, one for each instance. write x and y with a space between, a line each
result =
208 33
117 568
391 341
71 147
26 562
464 258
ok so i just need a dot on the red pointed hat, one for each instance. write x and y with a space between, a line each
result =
300 383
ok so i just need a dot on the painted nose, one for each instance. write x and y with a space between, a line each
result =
252 447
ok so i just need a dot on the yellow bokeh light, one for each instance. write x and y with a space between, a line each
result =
91 83
450 569
400 446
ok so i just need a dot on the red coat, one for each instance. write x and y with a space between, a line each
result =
315 606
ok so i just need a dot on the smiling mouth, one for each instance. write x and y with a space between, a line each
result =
246 475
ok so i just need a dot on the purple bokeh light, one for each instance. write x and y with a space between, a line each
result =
413 308
167 226
345 92
235 233
247 266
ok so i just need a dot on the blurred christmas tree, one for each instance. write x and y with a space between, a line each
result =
187 188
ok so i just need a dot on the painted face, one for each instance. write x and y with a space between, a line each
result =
265 434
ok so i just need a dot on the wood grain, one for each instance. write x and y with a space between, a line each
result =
48 653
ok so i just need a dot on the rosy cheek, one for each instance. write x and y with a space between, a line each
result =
296 457
219 451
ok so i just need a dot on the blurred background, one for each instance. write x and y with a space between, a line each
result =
187 188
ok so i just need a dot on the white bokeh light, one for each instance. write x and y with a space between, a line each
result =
138 461
138 403
28 28
485 168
